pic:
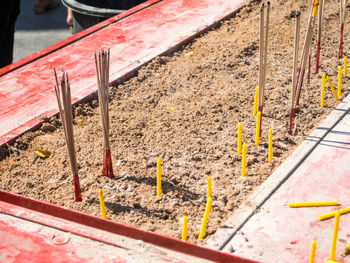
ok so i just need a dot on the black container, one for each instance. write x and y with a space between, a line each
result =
87 13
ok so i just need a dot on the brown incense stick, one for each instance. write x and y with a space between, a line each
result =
265 54
319 34
102 74
295 62
63 95
342 19
261 54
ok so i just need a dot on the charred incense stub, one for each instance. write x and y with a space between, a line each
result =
107 164
77 191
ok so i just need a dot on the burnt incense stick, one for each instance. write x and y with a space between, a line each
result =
295 62
319 34
102 73
63 95
342 19
261 54
263 44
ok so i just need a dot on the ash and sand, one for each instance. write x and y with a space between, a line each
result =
210 84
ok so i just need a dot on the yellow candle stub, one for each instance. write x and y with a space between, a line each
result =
184 229
345 66
332 88
332 214
208 187
102 204
335 234
159 178
339 81
270 145
244 159
205 218
312 252
309 204
257 130
239 139
256 94
322 89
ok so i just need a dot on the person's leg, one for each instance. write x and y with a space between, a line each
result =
9 11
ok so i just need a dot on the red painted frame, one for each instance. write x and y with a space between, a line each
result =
9 202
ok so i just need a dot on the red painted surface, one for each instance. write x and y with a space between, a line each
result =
19 243
285 234
83 224
26 87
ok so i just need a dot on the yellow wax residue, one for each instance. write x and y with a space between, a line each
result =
42 153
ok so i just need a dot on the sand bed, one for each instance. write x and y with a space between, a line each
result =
184 108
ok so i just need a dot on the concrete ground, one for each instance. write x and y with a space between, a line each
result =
35 32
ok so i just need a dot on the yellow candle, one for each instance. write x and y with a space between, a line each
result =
256 100
244 159
184 229
205 219
208 187
332 88
339 81
257 130
159 178
314 9
322 89
308 204
335 234
239 138
331 214
345 66
312 252
332 261
270 145
102 203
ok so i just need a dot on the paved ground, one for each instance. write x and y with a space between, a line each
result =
274 232
35 32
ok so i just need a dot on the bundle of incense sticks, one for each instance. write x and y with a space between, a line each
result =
342 19
304 55
306 49
63 96
102 73
263 42
319 34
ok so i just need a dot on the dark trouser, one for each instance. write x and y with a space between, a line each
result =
9 11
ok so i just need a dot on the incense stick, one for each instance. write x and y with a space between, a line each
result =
319 34
63 95
102 73
295 62
342 19
261 54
